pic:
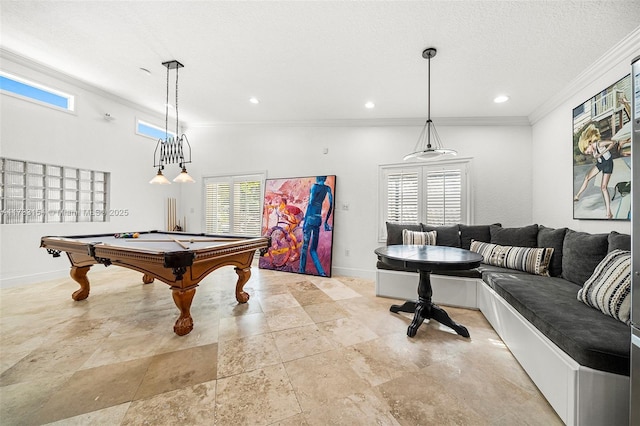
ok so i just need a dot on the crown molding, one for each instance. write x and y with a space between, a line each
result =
376 122
68 78
626 49
369 122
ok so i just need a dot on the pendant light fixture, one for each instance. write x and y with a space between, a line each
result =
171 148
425 149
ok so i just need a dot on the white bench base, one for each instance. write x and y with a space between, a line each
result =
450 291
579 395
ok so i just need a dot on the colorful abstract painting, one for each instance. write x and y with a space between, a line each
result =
602 154
298 217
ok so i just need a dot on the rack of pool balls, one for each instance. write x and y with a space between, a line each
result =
127 235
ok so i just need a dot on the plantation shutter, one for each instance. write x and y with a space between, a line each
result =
402 197
443 197
247 207
217 218
233 205
435 194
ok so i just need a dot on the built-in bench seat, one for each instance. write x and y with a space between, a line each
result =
578 357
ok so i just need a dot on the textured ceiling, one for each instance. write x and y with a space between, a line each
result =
322 60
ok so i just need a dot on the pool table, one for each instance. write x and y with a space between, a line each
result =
178 259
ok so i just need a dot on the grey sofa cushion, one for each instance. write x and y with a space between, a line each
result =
581 253
525 236
619 241
445 235
554 238
591 338
474 232
394 231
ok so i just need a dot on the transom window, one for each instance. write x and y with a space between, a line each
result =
432 193
31 91
152 131
233 204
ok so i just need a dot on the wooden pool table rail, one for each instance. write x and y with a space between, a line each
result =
182 270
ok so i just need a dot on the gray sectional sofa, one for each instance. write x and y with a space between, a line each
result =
577 356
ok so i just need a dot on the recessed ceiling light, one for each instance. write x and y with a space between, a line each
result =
254 100
369 105
500 99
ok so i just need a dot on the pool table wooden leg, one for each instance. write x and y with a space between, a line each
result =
243 276
183 299
79 275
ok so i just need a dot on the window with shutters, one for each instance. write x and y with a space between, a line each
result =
432 193
233 204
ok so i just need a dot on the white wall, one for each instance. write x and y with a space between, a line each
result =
501 172
521 174
552 152
84 140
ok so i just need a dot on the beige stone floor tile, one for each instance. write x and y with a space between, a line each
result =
78 329
376 363
359 285
143 321
272 302
364 408
430 345
418 400
246 354
193 405
346 331
20 402
49 361
301 284
334 288
478 389
179 369
301 342
282 319
325 345
297 420
321 378
94 389
229 306
107 416
205 332
258 397
236 327
310 297
328 311
120 348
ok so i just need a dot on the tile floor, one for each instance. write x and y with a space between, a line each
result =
304 350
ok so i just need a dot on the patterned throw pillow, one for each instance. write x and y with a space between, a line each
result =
419 238
534 260
609 288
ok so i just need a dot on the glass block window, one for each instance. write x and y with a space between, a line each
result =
31 91
44 193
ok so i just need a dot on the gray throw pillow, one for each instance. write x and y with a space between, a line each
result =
446 235
474 232
394 231
619 241
525 236
581 253
553 238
